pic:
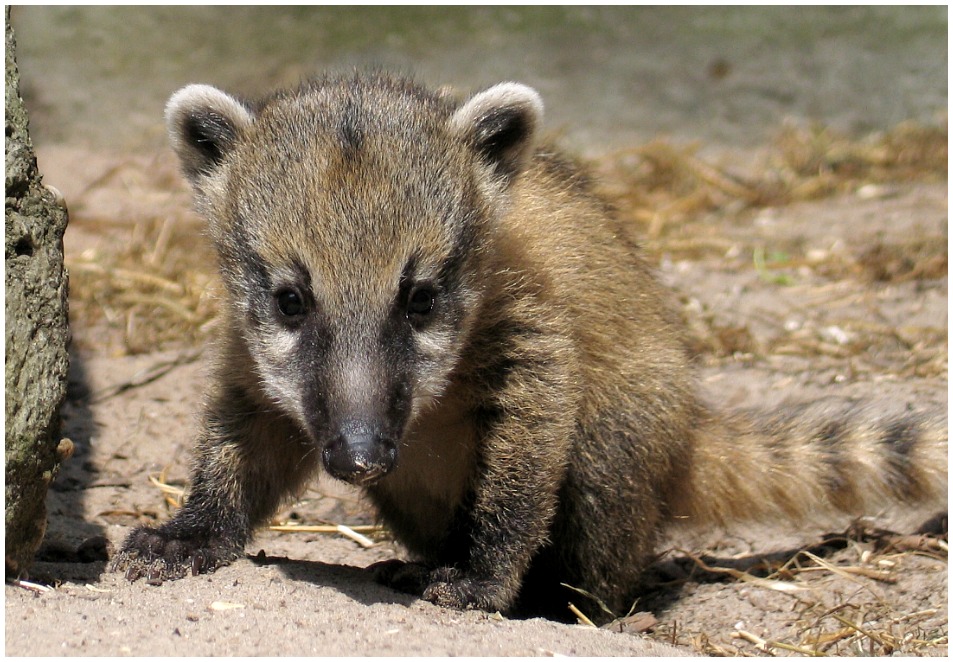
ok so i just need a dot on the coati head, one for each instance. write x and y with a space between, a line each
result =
351 217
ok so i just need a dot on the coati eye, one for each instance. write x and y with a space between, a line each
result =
290 303
421 301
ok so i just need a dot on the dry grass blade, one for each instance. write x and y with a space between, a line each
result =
137 277
351 532
595 599
849 571
583 619
157 301
325 528
765 646
146 376
684 164
918 543
31 586
740 575
860 630
758 642
174 496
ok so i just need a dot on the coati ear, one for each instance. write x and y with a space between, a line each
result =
501 123
204 124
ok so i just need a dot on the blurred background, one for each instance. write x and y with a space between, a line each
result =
610 76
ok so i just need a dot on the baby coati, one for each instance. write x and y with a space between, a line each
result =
430 305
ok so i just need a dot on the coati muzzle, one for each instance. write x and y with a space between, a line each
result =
360 454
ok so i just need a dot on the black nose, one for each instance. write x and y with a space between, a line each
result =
360 455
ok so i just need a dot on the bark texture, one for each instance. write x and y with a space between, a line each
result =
37 333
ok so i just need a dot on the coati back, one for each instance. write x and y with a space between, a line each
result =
430 306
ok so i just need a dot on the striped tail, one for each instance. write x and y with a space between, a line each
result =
813 460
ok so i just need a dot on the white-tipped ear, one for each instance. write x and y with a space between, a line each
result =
204 124
501 124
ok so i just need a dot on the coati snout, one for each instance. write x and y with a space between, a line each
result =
356 411
360 454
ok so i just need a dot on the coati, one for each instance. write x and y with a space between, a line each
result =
430 303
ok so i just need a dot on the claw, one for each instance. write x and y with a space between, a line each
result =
133 572
154 577
198 563
158 556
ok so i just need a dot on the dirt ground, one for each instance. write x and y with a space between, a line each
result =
840 297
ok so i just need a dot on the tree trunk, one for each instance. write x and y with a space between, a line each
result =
36 333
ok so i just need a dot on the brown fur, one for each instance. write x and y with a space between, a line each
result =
541 426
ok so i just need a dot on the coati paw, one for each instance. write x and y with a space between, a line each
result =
157 556
451 588
445 587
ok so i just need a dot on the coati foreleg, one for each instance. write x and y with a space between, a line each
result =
248 459
524 424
